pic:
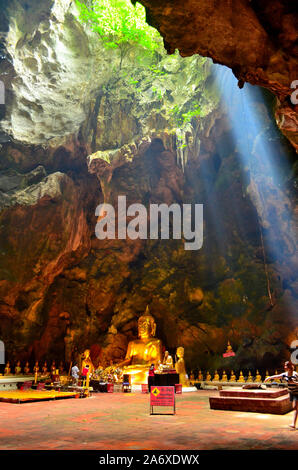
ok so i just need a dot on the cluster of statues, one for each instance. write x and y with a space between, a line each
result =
43 371
224 378
141 354
147 350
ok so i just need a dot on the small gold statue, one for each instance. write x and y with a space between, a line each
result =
200 376
224 377
267 374
249 378
167 361
36 368
192 377
229 352
53 368
276 380
180 367
142 352
7 370
258 377
233 377
27 369
241 378
208 377
45 368
18 369
216 377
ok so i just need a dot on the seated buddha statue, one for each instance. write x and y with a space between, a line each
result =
208 377
167 361
142 352
233 377
53 368
27 369
180 367
45 369
249 377
258 377
216 377
7 370
224 377
18 369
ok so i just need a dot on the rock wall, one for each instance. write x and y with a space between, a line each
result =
257 40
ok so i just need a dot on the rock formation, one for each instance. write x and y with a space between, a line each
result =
257 40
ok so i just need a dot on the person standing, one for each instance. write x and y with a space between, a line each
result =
151 377
291 377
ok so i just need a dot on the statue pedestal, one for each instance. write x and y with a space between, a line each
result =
10 382
274 401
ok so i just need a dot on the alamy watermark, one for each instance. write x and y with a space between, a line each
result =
2 93
294 95
2 352
294 355
185 221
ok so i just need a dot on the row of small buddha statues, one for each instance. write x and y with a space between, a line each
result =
232 378
43 370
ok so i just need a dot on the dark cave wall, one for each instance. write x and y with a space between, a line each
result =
63 290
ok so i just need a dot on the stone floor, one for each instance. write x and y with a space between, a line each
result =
122 421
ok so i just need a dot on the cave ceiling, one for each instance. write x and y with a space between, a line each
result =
256 39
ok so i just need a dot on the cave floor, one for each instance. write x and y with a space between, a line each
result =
122 421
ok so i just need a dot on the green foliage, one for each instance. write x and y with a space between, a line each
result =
119 24
182 118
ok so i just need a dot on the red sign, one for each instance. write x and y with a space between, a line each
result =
162 396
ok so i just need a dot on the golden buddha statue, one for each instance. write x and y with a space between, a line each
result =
18 369
192 377
216 377
7 370
241 377
267 374
180 367
249 378
53 368
277 380
229 351
208 377
200 376
224 377
61 368
233 377
167 361
86 361
27 369
45 369
258 377
142 352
